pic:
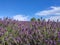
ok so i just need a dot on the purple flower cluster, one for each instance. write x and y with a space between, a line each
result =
14 32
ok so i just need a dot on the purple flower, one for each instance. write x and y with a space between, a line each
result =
59 34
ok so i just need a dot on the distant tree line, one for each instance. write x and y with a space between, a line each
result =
39 19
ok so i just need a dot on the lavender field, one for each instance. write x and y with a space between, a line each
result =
38 32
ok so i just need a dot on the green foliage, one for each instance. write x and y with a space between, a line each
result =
38 19
33 19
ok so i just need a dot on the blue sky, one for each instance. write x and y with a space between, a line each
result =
26 9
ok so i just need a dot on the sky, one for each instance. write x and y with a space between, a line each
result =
24 10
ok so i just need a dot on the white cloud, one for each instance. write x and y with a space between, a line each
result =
53 18
20 17
52 11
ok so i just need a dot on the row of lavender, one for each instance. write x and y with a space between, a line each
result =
29 32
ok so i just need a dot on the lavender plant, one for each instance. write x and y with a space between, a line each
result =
39 32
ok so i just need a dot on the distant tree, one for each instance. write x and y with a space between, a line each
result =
33 19
38 19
